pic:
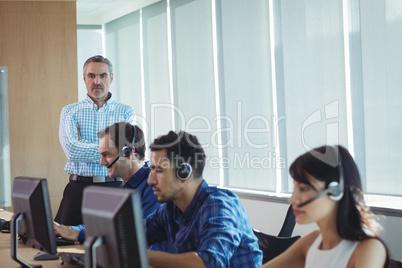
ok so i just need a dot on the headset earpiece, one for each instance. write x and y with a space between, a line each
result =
126 150
334 191
183 170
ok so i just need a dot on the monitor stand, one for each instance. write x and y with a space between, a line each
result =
90 245
14 241
44 256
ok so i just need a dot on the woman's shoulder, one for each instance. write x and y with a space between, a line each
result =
370 252
371 242
371 245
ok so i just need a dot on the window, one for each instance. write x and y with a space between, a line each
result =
261 82
89 43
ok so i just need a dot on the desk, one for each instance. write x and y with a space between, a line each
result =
27 253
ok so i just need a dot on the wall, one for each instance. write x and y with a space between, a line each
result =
268 217
38 44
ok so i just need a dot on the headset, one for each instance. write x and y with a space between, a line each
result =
334 189
126 150
183 170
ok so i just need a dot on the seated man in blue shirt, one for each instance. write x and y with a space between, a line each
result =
200 225
123 161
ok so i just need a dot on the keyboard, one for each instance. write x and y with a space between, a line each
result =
72 258
64 242
4 225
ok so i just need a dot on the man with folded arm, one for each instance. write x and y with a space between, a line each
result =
79 123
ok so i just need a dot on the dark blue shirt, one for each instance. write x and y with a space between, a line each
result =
138 182
215 225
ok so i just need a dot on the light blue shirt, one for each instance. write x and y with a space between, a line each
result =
83 155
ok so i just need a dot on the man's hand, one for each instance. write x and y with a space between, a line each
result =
79 133
65 232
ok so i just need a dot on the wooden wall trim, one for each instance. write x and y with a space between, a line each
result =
38 44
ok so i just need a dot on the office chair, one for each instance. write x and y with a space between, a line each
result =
396 264
273 246
288 224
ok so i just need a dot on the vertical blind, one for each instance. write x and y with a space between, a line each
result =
314 75
381 25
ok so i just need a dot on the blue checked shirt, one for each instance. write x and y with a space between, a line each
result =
139 181
215 225
83 155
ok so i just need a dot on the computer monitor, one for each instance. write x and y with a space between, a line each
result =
32 219
114 228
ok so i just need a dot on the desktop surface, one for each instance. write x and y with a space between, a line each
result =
27 253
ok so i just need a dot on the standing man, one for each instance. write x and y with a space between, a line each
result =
79 124
122 147
200 225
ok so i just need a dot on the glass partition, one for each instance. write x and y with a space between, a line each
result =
5 173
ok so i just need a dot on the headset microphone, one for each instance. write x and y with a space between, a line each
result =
125 151
334 189
114 161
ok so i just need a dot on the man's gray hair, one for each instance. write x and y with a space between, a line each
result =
99 58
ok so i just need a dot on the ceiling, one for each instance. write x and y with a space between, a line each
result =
98 7
102 11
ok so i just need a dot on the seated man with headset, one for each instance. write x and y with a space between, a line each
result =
199 225
122 149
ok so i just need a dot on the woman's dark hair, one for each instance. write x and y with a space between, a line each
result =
354 219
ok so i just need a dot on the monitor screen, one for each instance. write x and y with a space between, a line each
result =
32 219
114 228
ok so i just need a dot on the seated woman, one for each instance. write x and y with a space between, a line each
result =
328 191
